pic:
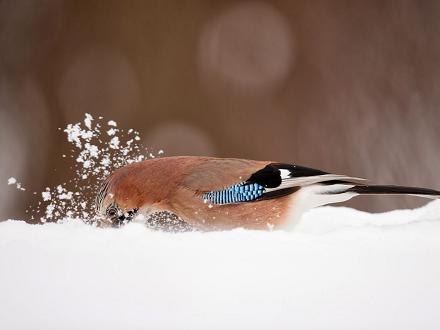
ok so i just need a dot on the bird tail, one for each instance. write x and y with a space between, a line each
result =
330 192
394 190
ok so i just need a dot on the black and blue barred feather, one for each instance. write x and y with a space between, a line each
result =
242 192
273 181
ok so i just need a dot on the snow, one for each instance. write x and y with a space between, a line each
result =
340 269
114 143
111 132
46 195
88 121
18 185
96 155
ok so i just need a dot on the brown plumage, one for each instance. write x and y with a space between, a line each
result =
179 185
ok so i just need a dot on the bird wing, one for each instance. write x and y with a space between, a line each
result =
209 173
236 181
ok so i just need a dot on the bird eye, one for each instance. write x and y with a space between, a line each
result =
111 212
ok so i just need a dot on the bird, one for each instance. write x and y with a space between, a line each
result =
211 194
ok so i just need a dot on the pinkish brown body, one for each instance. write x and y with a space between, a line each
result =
180 185
176 184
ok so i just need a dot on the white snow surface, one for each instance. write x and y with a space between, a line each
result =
340 269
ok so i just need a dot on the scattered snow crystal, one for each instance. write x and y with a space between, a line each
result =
88 121
114 143
97 152
18 185
47 196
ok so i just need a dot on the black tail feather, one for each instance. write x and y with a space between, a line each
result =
394 190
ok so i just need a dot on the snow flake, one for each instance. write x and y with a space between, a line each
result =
47 196
12 180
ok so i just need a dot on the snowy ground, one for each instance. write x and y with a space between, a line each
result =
341 269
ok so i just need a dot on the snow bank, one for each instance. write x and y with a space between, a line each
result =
341 269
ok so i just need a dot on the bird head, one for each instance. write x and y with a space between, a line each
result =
110 211
139 188
119 199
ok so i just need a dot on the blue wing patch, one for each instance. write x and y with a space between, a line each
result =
242 192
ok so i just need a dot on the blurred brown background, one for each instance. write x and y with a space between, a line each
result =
347 86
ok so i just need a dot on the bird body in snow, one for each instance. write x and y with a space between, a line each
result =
224 193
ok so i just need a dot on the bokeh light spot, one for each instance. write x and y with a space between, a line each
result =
250 46
180 139
99 81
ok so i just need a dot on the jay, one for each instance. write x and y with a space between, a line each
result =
206 193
